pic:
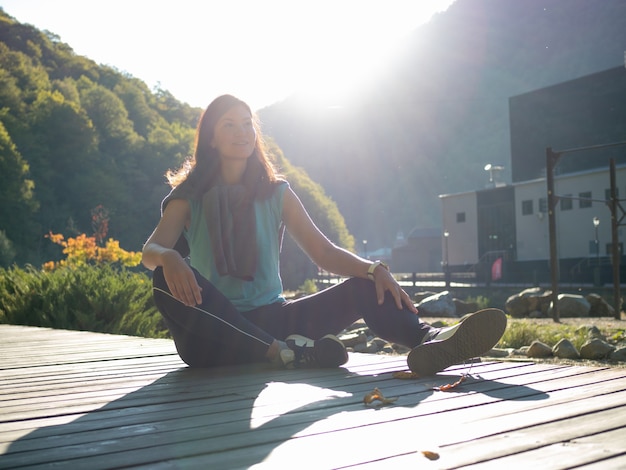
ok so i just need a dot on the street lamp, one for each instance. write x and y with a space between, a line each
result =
596 270
365 249
446 270
596 223
493 170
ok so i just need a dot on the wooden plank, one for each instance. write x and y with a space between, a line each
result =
617 462
198 389
221 430
63 347
567 453
533 435
138 405
368 445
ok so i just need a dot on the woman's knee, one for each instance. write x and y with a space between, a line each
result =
358 284
362 289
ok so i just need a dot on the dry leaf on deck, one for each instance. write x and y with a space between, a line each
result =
430 455
448 387
405 375
377 395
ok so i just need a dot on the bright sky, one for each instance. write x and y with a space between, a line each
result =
259 50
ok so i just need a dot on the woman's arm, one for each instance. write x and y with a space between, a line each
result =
332 258
159 251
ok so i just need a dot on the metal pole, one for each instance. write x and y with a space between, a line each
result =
596 269
446 261
617 301
596 223
551 160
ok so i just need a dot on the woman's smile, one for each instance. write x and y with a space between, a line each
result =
234 134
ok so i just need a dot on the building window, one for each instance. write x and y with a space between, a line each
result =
566 202
584 200
543 205
527 207
460 217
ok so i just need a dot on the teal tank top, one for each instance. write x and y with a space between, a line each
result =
267 287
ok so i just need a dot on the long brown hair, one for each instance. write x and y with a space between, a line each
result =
201 171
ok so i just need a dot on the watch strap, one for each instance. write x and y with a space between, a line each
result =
372 268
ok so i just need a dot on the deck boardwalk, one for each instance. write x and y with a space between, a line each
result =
74 400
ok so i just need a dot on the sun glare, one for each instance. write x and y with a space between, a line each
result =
339 56
261 51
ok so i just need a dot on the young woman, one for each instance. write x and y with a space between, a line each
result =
215 256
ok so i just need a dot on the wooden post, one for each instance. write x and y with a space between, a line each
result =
551 160
617 301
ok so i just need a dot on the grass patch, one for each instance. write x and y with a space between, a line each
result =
523 332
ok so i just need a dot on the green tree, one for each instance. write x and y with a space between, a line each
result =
136 96
63 143
18 202
106 110
296 267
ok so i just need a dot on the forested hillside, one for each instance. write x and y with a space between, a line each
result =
76 136
440 113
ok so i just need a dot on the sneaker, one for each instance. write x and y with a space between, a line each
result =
474 335
327 351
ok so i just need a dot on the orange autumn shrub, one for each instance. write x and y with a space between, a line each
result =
82 250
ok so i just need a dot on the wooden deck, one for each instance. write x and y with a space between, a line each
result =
85 400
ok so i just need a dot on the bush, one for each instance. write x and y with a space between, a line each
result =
94 288
96 297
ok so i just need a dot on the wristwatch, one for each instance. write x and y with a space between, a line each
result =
373 266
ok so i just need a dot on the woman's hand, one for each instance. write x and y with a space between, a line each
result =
180 279
384 281
159 251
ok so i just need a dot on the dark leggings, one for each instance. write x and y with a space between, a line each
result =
215 333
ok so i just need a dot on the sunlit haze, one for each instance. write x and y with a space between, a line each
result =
259 50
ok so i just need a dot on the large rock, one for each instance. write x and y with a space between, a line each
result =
564 349
590 332
596 349
599 307
421 295
571 305
618 355
463 308
539 349
528 301
438 305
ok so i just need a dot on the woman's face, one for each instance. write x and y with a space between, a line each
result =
234 136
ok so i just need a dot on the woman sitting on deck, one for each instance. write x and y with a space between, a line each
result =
224 305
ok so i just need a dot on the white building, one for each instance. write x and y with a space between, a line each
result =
479 232
509 222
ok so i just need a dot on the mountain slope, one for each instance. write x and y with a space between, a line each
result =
439 114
